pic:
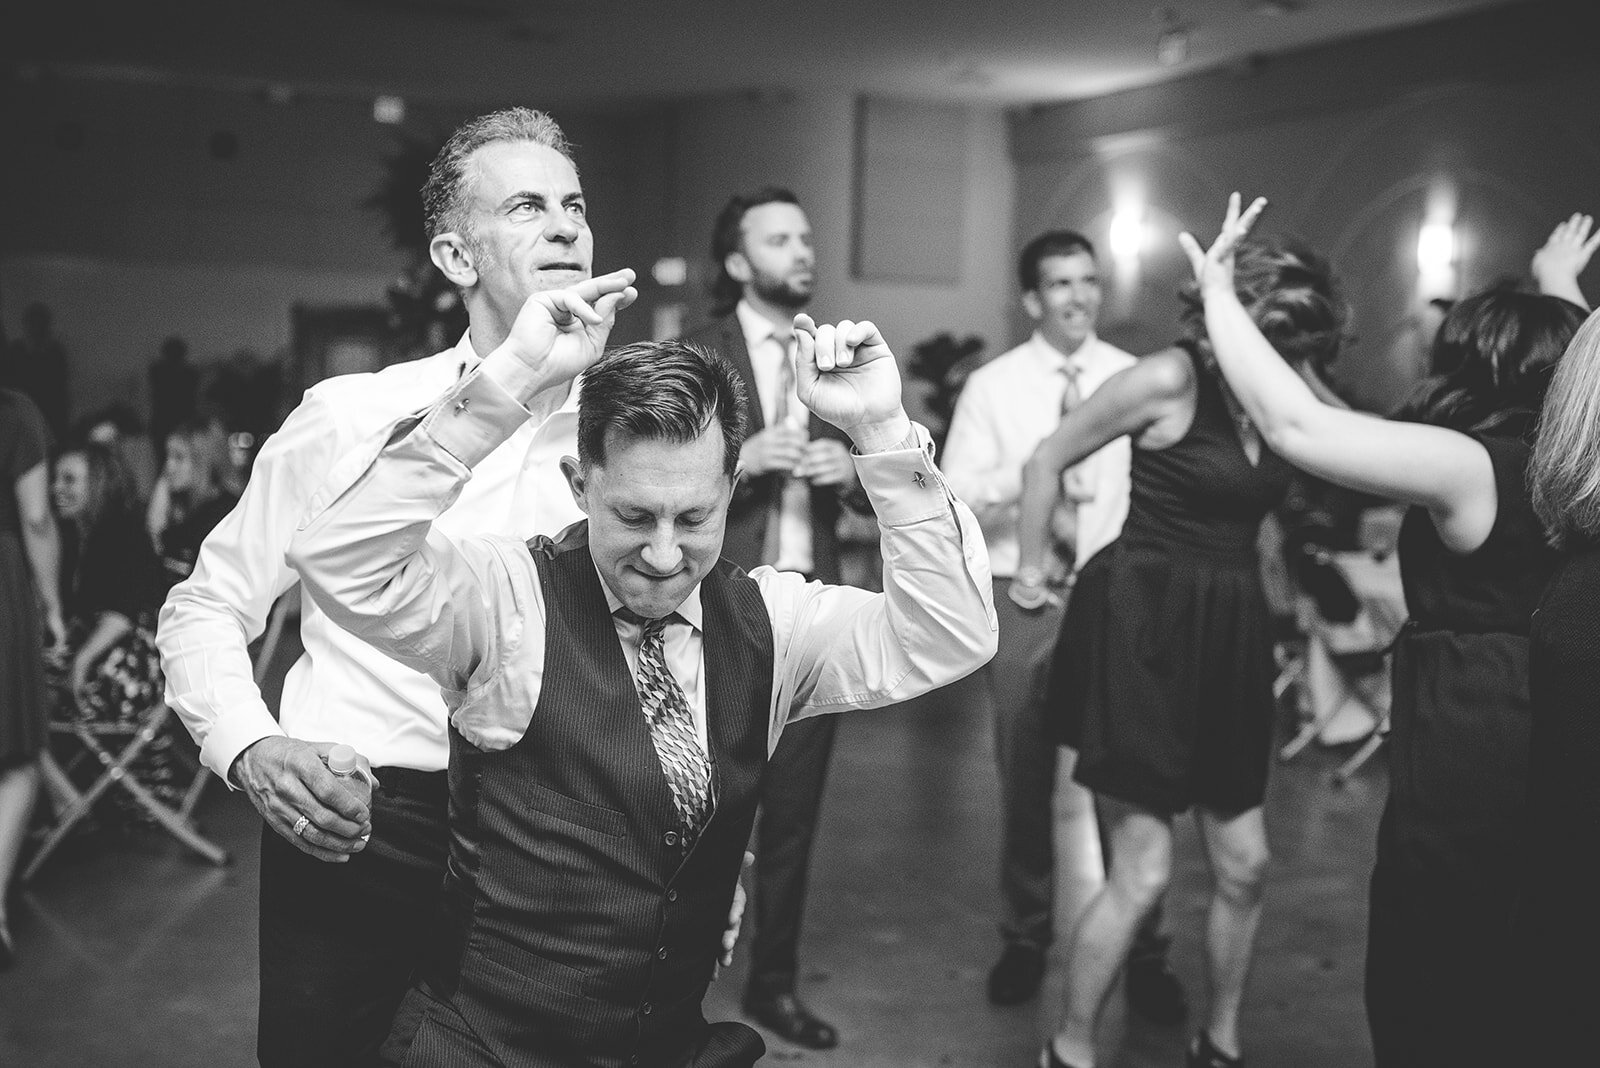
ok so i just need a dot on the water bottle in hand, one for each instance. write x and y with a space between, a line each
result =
345 764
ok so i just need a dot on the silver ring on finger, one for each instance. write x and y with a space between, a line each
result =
301 824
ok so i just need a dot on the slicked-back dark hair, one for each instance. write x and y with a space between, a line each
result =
1291 296
1047 244
660 390
444 193
1493 359
728 232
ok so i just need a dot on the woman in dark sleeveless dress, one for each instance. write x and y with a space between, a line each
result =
1163 671
1473 561
1555 924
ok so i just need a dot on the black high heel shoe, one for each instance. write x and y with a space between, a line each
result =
1203 1054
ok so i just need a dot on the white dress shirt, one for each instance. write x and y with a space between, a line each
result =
1008 406
470 612
769 348
341 690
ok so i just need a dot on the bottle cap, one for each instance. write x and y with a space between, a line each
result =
342 760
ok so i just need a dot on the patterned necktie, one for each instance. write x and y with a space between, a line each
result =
1075 483
666 710
772 542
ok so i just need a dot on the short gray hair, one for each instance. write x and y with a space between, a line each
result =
445 195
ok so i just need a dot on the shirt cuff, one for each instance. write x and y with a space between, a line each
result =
475 417
903 484
228 738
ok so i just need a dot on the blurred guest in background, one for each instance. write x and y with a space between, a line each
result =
1008 406
191 496
38 367
110 589
30 554
174 392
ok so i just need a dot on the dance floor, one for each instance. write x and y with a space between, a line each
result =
131 953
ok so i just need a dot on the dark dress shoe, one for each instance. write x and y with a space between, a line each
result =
1202 1054
1154 992
786 1017
1015 977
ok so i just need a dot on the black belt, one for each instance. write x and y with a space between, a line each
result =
425 784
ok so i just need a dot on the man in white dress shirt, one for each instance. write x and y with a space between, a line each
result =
339 921
1008 406
615 693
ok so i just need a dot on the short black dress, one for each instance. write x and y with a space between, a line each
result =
24 707
1448 861
1162 676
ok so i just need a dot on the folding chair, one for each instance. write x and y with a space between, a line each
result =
1348 612
116 746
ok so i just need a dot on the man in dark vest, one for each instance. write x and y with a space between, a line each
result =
785 512
615 693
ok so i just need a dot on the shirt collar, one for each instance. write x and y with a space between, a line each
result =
1057 360
757 327
690 609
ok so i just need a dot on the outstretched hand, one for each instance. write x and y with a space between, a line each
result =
1213 267
560 333
845 373
1565 254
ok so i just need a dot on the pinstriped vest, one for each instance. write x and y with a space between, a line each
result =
576 926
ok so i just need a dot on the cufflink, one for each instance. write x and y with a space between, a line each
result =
916 476
461 405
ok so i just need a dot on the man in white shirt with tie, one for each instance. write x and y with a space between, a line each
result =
1007 407
615 694
339 917
785 512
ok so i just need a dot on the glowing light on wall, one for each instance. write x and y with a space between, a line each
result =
1127 233
1436 247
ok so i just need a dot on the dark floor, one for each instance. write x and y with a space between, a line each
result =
131 953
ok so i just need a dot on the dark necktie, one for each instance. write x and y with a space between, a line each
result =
666 710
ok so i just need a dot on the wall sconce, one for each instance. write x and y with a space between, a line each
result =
670 271
1127 234
390 110
1436 247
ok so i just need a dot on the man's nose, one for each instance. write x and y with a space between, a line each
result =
661 553
563 227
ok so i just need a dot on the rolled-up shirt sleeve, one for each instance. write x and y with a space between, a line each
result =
368 554
840 648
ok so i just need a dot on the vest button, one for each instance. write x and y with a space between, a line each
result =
647 1008
661 954
670 838
672 895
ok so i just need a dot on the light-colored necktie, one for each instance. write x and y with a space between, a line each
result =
1075 483
666 710
771 544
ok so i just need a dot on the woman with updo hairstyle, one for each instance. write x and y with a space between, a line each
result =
1162 677
1473 561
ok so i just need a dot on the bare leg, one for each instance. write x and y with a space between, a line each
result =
18 787
1236 848
1141 863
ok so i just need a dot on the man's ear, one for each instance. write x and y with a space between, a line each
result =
453 256
576 482
1033 305
738 267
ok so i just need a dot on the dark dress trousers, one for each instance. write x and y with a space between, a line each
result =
791 797
577 930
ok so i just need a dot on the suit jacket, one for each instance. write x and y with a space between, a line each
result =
754 498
